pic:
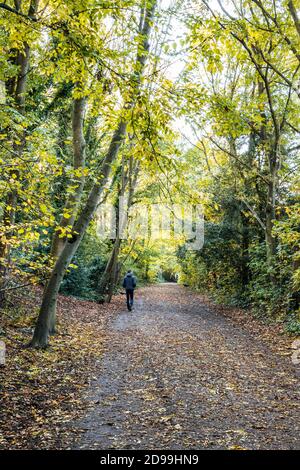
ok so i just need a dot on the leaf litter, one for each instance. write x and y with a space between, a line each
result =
175 373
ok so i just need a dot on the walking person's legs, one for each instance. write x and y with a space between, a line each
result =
131 297
128 299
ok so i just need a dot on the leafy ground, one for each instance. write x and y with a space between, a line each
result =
177 372
41 391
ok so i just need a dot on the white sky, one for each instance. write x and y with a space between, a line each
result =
176 65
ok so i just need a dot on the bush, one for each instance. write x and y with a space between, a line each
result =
90 261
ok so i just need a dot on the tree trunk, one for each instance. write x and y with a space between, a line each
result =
110 276
294 15
106 284
73 201
107 276
113 271
245 271
272 159
41 333
42 329
270 217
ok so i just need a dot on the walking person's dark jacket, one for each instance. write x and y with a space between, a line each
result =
129 282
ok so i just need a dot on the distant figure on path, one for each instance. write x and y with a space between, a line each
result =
129 283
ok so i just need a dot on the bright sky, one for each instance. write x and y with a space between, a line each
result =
177 30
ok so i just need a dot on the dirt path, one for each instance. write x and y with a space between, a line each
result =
177 375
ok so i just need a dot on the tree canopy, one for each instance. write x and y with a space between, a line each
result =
178 103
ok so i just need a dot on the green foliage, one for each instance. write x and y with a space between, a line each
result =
269 287
217 267
88 265
238 97
247 156
292 324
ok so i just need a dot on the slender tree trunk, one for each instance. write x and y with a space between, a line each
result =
105 287
147 270
73 201
41 332
271 212
245 272
270 217
112 271
107 278
272 159
110 276
294 15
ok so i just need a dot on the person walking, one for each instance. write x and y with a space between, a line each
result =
129 284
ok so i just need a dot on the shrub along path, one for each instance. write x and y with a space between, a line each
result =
178 374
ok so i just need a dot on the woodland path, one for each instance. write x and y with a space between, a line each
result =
178 375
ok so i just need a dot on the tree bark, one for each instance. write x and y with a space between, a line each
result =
73 201
42 329
270 217
294 15
272 159
110 276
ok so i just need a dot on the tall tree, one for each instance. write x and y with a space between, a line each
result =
41 333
